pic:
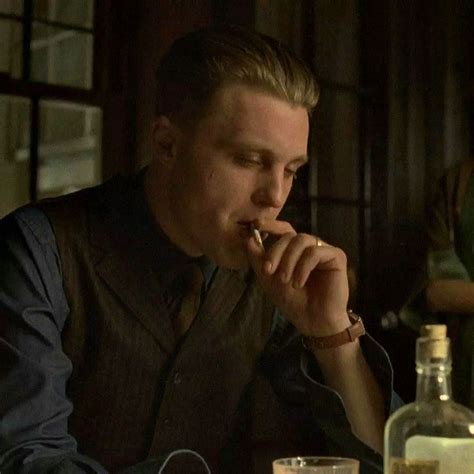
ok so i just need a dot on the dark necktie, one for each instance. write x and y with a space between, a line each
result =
193 283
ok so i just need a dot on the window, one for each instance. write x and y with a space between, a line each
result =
50 115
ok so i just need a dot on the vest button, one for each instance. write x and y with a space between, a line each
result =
177 378
166 421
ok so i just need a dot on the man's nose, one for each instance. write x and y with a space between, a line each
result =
272 191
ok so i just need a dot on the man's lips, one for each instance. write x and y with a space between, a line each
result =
246 224
248 229
244 228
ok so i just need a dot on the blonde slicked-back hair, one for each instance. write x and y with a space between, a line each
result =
198 64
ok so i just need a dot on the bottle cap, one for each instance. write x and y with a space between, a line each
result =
435 344
433 331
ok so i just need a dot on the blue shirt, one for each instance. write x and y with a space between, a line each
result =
34 369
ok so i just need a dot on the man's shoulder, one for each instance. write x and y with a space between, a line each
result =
79 197
27 222
71 207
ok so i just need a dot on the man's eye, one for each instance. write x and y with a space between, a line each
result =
291 174
249 159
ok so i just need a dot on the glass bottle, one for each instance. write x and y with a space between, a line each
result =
432 435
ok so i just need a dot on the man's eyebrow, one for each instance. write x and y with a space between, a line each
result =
303 159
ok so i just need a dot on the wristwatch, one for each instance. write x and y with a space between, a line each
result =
350 334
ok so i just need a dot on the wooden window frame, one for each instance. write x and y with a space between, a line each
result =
37 91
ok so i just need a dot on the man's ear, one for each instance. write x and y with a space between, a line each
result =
164 137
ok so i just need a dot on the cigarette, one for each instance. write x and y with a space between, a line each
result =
257 236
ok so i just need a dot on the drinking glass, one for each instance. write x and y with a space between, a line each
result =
315 465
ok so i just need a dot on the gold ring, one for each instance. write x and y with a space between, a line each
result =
319 242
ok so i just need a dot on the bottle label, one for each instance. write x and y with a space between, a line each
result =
411 466
453 454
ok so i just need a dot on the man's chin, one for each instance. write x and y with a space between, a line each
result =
235 261
237 265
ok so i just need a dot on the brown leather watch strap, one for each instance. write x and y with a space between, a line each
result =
350 334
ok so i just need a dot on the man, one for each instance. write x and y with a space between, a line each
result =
96 347
445 290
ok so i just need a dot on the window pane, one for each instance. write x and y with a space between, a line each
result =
69 151
14 152
61 56
70 12
73 61
11 7
10 47
39 65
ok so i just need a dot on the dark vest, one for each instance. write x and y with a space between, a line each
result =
135 394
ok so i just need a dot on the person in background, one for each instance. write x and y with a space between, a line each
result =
446 289
144 316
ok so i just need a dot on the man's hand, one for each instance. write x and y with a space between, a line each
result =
306 281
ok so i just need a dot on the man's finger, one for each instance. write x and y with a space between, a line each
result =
273 227
320 242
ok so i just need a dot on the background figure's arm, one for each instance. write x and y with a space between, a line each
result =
33 368
432 294
448 287
454 296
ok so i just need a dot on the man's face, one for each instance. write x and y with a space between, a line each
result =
235 166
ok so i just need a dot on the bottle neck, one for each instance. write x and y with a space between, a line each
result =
433 383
